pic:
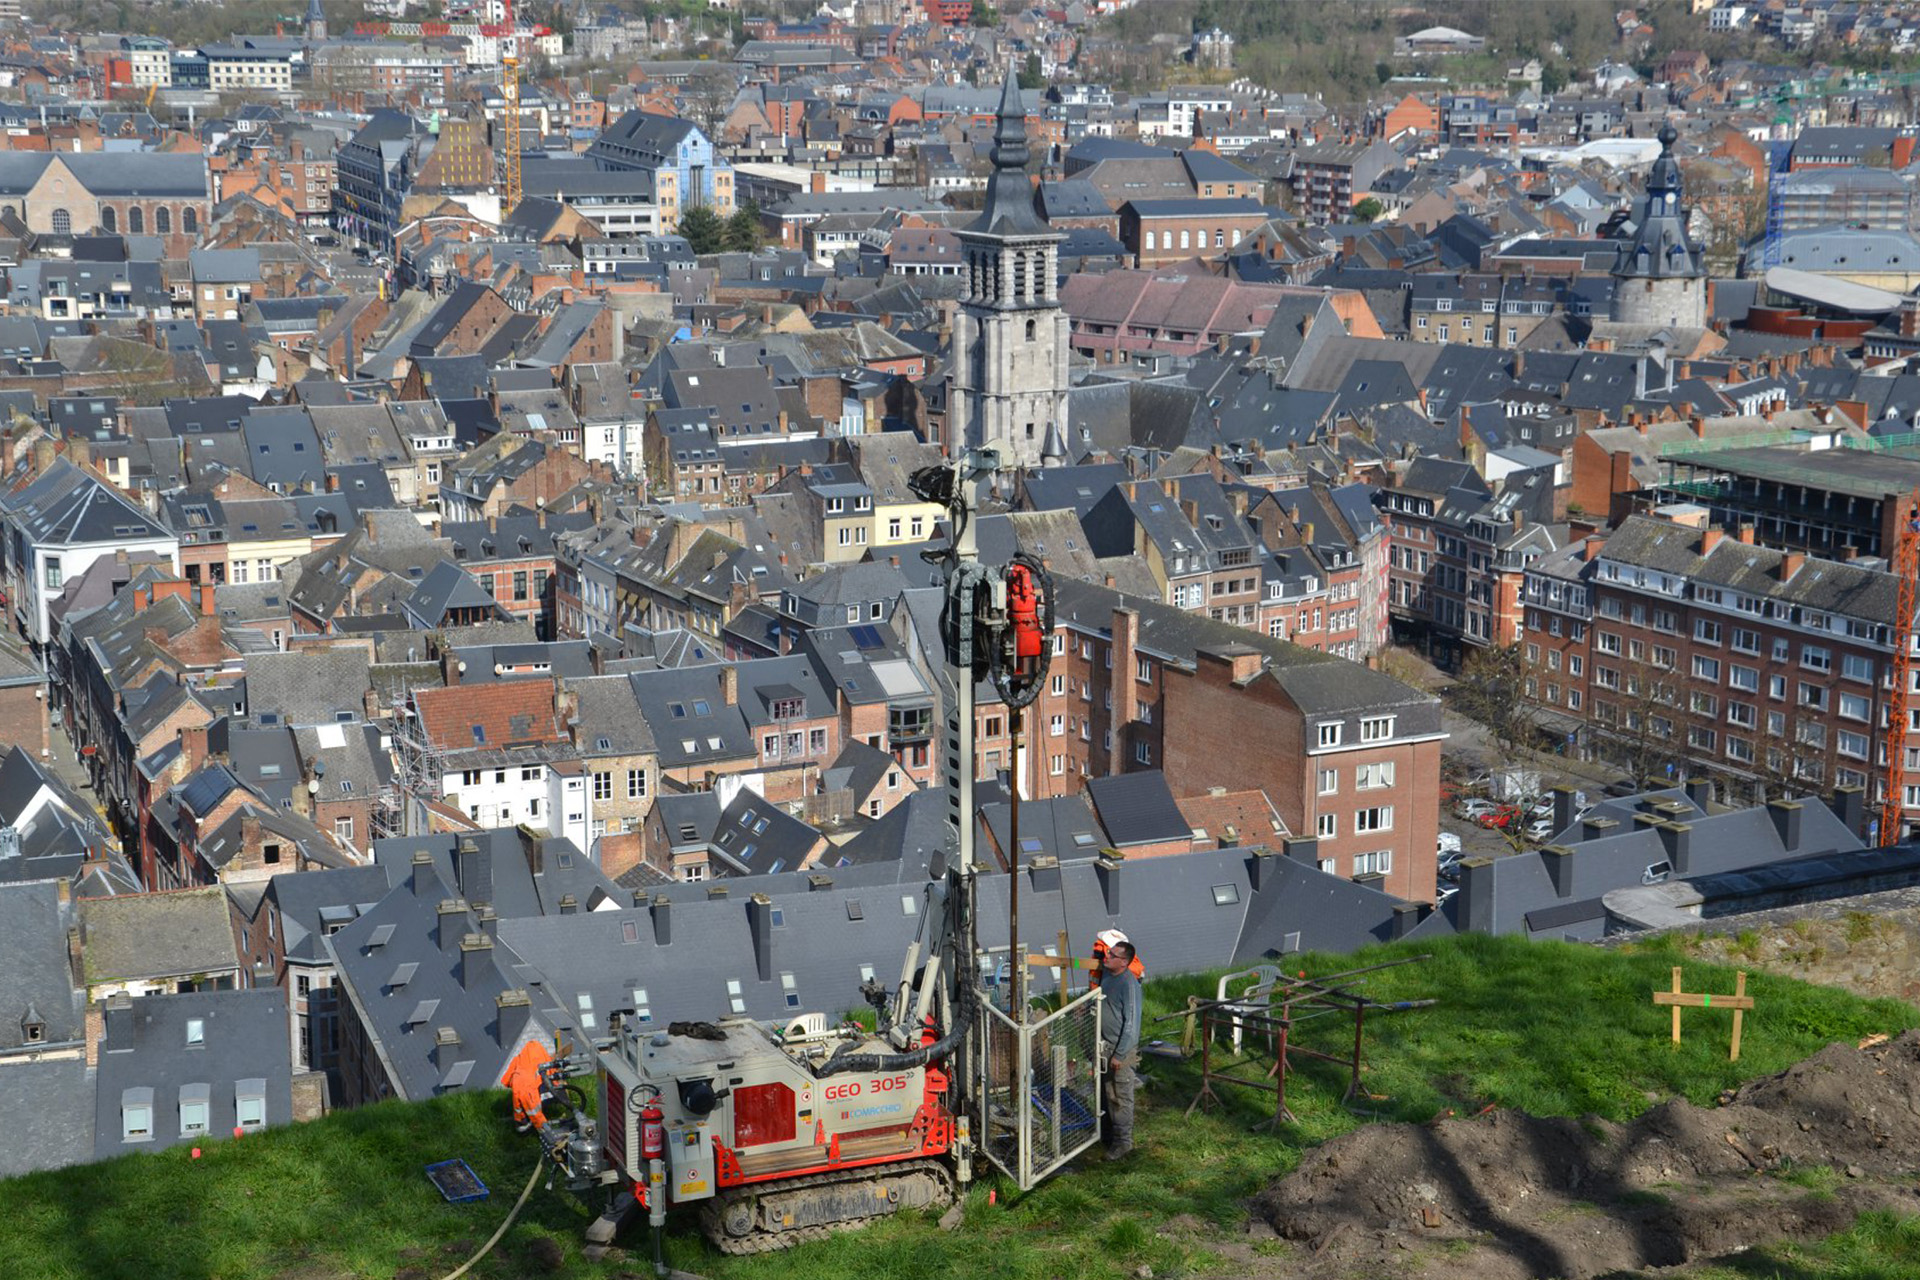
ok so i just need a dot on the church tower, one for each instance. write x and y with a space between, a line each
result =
1658 275
1010 353
316 22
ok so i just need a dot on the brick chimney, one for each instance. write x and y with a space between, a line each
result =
1790 564
1709 539
1126 690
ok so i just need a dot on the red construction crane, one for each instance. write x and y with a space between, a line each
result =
1906 567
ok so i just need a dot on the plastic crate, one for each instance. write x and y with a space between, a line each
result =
458 1183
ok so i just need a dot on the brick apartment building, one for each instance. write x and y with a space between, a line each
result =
1346 754
1457 551
1679 643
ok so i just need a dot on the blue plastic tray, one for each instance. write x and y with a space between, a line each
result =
458 1183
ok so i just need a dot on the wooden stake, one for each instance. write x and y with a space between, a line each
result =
1739 1002
1739 1012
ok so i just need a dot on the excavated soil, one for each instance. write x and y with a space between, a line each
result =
1509 1195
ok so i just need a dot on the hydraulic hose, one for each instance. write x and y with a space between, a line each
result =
494 1239
846 1060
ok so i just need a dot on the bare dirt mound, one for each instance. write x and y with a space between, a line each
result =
1509 1195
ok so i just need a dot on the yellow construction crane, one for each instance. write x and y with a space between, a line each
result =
510 178
510 111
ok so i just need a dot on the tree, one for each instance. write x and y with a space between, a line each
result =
704 230
1031 76
1553 78
742 233
1367 210
984 14
1492 689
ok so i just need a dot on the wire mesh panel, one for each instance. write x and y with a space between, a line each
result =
1042 1087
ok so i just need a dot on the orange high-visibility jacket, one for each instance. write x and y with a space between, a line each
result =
1100 958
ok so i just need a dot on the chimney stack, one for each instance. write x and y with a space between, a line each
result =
473 868
662 913
424 880
513 1010
450 924
476 959
1559 862
1677 839
1304 850
446 1049
1786 823
760 924
1563 808
1476 895
1850 806
1106 869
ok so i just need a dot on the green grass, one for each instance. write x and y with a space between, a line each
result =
1880 1246
1552 1028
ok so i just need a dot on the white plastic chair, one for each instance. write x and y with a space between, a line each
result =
1253 996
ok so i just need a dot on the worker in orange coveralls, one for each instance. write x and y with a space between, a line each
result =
523 1081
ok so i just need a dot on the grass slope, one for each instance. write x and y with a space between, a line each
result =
1552 1028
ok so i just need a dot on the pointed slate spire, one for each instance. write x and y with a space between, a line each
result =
1009 205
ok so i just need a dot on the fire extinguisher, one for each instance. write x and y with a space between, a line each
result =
653 1131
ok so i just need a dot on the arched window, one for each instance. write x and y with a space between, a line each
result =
163 220
1184 242
109 220
62 223
137 220
1149 242
1032 331
190 220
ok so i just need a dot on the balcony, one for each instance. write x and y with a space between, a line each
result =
909 725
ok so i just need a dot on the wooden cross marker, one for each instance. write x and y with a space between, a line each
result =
1739 1002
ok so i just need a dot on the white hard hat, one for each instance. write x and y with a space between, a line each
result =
1109 937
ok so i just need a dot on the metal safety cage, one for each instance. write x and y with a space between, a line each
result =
1040 1086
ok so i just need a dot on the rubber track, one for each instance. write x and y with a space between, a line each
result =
764 1241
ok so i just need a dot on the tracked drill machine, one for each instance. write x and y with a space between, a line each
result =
782 1132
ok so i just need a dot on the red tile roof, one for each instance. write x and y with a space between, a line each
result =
505 714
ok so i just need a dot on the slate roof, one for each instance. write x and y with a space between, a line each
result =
173 934
1137 808
147 1053
51 1127
66 506
404 981
314 686
36 984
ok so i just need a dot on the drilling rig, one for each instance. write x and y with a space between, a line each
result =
782 1132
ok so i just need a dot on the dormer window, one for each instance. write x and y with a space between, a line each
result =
789 708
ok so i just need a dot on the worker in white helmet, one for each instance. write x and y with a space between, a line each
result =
1104 942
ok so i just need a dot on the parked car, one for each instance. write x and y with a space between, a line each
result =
1501 816
1474 810
1449 867
1538 830
1448 843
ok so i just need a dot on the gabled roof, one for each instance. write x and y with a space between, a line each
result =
489 716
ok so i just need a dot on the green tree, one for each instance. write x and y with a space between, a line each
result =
1553 78
1031 77
1367 210
704 230
743 229
984 14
